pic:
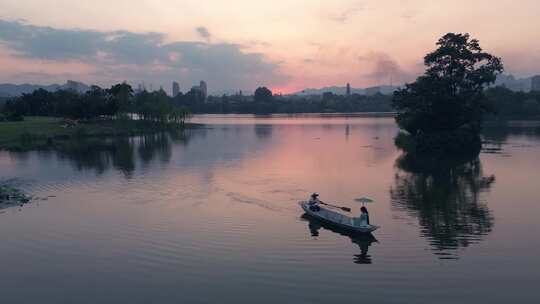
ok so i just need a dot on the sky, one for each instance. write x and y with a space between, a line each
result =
286 45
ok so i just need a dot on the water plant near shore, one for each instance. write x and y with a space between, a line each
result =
10 196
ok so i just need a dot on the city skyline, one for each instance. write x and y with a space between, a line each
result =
284 45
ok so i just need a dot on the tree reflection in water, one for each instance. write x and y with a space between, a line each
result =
155 145
120 153
444 194
363 240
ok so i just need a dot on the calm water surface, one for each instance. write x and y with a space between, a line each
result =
211 215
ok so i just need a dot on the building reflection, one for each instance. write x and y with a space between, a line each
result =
363 240
445 196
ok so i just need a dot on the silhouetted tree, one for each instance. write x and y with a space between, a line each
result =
263 100
122 95
263 94
449 96
97 102
151 106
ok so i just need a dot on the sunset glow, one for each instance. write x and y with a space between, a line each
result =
239 44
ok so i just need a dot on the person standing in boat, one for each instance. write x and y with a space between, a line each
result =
314 202
363 219
364 216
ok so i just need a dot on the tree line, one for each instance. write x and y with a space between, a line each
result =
263 101
119 101
504 102
498 101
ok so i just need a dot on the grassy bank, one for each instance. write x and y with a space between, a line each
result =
38 132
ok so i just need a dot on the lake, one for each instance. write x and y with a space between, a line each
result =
210 215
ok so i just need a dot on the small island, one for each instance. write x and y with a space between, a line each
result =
43 119
441 113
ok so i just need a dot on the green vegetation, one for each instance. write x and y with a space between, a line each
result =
116 102
327 103
41 132
10 196
507 104
442 111
499 102
31 121
158 107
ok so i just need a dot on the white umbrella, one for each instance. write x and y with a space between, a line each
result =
364 200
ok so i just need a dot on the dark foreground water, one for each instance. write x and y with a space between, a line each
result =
211 216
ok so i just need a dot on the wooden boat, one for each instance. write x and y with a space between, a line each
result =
337 219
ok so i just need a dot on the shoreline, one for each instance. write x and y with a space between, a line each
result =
38 132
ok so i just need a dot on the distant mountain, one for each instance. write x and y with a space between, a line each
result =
14 90
514 84
506 80
385 89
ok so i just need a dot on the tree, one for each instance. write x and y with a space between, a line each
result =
263 94
122 95
263 100
449 96
96 103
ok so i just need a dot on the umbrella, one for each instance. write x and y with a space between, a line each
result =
364 200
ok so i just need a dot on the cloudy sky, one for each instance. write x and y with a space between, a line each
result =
287 45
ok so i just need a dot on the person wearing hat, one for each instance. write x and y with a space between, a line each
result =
314 202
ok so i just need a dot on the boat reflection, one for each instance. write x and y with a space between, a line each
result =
363 240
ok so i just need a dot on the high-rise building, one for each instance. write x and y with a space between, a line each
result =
139 89
535 83
348 89
372 91
175 89
204 89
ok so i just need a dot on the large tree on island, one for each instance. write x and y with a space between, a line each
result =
448 98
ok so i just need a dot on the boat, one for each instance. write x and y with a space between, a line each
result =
363 240
337 219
